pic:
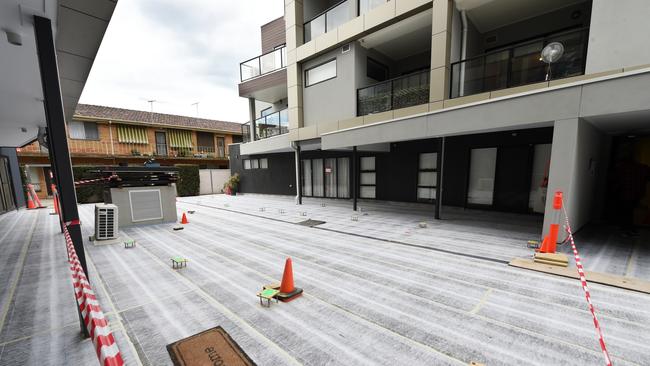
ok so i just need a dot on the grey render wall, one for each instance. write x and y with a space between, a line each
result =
618 36
334 99
14 172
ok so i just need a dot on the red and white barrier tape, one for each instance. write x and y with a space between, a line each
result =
94 319
583 280
88 181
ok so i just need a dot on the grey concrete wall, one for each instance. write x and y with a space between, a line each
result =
334 99
14 171
578 168
618 36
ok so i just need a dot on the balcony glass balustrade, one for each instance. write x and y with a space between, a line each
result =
264 64
273 124
519 65
329 19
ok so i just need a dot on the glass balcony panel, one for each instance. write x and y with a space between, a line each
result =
374 99
263 64
250 69
367 5
573 61
271 61
411 90
315 28
338 15
496 71
405 91
284 121
519 65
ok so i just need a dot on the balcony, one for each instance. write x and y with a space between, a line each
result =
246 132
264 64
264 77
329 19
519 65
273 124
106 149
401 92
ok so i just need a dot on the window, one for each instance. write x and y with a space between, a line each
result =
427 176
320 73
256 163
368 178
83 130
376 70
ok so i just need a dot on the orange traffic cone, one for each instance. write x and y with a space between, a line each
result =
30 202
184 219
288 291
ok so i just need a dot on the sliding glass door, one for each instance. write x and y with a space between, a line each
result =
328 177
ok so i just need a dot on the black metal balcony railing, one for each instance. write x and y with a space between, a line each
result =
519 65
329 19
401 92
246 132
273 124
263 64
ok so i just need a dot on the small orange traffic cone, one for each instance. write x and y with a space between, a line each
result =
288 291
184 219
30 202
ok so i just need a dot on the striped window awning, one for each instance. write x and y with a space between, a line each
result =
180 138
132 134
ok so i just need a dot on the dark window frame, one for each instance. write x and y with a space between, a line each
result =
319 65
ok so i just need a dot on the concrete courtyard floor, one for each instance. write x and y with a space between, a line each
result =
378 291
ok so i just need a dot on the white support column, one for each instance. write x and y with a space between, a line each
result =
578 169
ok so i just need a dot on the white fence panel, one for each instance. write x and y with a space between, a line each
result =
212 180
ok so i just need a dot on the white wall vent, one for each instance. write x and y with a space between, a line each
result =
345 48
146 205
106 222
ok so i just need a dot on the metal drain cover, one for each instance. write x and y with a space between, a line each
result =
311 223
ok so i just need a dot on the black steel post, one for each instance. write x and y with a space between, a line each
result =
439 169
299 170
57 139
355 177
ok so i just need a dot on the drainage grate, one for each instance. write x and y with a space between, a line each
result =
311 223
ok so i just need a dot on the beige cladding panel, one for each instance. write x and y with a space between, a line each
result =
350 29
295 117
438 84
403 6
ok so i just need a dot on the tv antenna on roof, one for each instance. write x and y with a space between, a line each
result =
197 107
551 53
151 102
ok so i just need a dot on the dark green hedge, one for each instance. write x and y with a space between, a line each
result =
92 193
188 180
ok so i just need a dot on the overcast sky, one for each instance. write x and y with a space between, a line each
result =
179 53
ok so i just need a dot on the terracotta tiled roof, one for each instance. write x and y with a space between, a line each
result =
111 113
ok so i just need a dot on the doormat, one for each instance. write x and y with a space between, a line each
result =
211 347
311 223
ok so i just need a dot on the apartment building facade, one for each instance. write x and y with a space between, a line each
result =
455 102
99 136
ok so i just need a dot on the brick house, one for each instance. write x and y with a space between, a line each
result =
100 135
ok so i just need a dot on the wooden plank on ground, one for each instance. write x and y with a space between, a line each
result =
629 283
